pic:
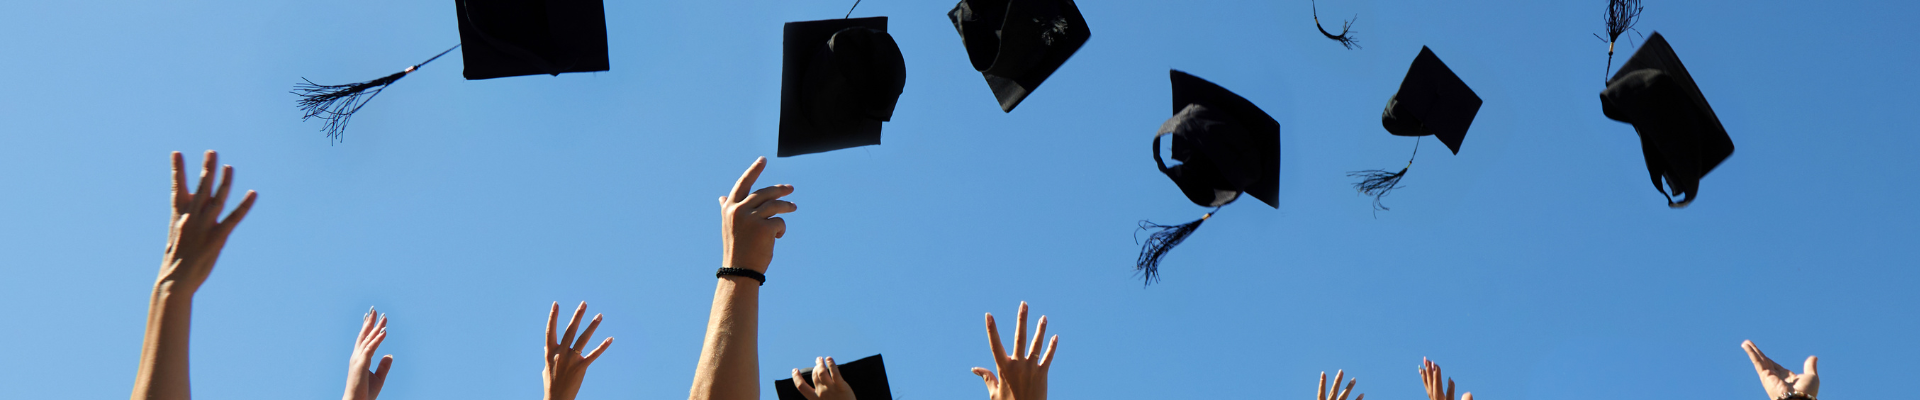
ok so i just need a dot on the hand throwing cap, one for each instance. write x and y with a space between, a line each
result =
526 37
867 376
1431 101
1017 44
839 79
1226 146
1680 136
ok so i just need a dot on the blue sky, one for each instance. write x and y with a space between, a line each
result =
1535 264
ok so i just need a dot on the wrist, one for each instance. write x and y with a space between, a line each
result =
172 291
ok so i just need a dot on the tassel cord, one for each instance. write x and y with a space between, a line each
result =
1346 26
337 103
856 4
1378 182
1160 243
1622 15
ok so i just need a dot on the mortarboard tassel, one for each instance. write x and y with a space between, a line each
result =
1621 16
1159 243
337 103
1378 182
1344 38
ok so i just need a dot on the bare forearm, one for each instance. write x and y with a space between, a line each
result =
163 355
729 360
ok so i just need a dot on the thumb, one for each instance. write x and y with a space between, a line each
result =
723 201
800 384
987 378
1467 396
1812 362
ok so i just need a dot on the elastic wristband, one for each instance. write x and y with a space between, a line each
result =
762 278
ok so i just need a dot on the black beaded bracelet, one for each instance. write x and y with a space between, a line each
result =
742 272
1796 396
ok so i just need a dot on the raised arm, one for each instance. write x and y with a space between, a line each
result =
729 366
194 239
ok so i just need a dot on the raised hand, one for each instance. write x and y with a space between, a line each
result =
364 384
566 367
748 221
1022 374
1430 376
1324 394
827 382
195 235
1780 382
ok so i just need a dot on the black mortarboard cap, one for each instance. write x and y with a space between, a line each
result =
502 38
1680 136
867 377
1226 146
1017 44
1431 101
526 37
839 79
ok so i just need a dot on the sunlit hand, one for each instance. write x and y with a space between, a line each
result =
194 235
363 384
1779 380
1022 374
566 368
748 221
827 382
1324 394
1430 375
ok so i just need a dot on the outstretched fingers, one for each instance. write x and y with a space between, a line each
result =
800 383
206 173
580 345
993 341
745 183
596 351
566 340
1321 393
1039 333
553 316
239 213
1046 361
181 197
1020 335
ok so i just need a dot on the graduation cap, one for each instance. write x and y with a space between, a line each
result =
1431 101
839 79
502 38
1226 146
867 377
1017 44
1680 136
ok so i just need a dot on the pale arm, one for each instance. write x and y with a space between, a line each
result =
729 367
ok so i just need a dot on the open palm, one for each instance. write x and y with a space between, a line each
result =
1780 381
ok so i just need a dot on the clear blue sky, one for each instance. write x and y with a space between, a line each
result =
1536 264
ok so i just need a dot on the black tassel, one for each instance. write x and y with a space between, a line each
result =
337 103
1344 37
1377 183
1622 15
1159 243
